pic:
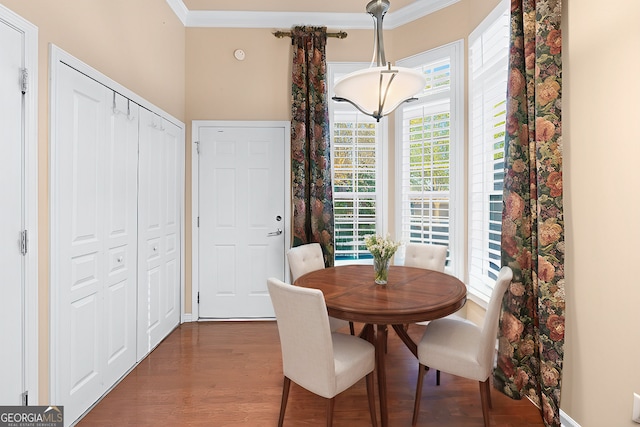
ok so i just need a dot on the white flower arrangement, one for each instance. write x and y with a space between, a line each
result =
381 247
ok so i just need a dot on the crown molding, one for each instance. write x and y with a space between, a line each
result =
414 11
179 9
252 19
265 19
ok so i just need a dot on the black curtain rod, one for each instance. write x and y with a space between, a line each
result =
283 34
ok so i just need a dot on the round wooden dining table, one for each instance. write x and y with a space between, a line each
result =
410 295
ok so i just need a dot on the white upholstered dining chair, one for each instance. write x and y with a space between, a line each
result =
428 256
459 347
422 255
313 357
304 259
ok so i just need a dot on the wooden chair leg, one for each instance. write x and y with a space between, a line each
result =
485 397
372 399
285 396
330 404
416 405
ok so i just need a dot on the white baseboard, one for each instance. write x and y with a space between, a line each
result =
566 421
187 317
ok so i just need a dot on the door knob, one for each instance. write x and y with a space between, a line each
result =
275 233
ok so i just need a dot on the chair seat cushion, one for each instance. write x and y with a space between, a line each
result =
452 345
354 358
451 316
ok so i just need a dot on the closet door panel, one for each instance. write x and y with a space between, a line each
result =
151 209
159 230
174 147
121 231
78 241
94 240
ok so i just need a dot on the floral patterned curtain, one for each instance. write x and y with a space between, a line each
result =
310 153
531 335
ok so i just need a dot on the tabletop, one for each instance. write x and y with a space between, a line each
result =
410 295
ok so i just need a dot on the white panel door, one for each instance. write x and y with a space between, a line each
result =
159 204
12 284
77 250
121 238
241 234
94 238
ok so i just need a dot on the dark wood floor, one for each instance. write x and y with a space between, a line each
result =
224 374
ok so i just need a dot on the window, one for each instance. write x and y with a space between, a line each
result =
488 64
429 155
355 156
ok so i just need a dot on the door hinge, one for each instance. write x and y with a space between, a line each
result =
198 297
198 221
24 242
25 398
24 80
197 146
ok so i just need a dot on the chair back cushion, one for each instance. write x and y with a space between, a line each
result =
490 325
304 259
305 338
421 255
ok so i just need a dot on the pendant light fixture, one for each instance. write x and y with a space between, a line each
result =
379 89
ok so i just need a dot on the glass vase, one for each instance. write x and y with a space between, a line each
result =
381 268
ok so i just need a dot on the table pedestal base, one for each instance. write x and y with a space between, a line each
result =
378 338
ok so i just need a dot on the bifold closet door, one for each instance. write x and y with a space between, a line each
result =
159 270
122 239
94 160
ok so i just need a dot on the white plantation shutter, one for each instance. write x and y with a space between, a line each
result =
426 173
355 189
438 76
488 62
356 146
429 146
